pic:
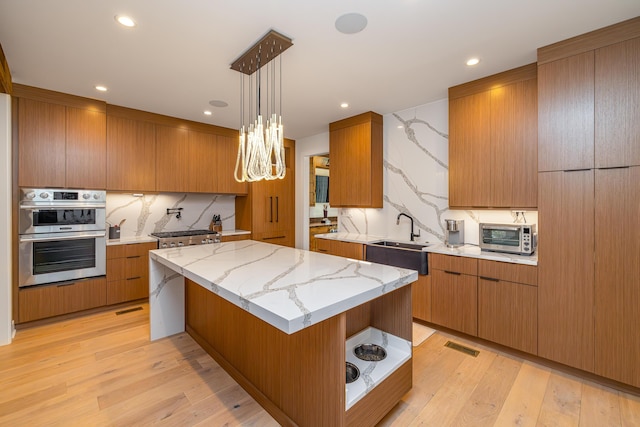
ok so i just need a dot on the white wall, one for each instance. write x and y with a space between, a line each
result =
6 328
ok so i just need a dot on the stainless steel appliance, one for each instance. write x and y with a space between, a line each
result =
454 233
521 239
175 239
61 235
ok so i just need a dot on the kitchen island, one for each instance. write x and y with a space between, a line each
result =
283 323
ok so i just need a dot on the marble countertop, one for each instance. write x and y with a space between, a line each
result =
131 240
289 288
471 251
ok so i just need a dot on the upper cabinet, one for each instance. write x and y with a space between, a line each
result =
151 152
492 141
589 97
61 140
131 152
355 150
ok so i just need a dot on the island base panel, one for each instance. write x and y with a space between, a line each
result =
299 378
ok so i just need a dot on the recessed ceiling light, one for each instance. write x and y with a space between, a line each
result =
125 20
351 23
344 105
218 103
207 113
101 88
473 61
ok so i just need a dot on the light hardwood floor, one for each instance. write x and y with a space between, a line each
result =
101 369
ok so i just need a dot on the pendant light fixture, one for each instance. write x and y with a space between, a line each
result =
261 143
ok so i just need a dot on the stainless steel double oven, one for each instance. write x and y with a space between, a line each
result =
62 235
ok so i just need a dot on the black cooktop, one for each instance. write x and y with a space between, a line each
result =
185 233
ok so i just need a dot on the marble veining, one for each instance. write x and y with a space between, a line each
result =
416 182
148 213
289 288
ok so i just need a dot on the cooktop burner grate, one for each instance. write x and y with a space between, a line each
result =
184 233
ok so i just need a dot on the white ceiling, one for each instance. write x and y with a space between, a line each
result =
177 58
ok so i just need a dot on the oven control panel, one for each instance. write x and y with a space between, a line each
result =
36 195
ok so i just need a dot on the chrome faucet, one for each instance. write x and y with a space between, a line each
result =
412 235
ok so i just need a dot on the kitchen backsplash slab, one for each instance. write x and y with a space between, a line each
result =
416 182
148 214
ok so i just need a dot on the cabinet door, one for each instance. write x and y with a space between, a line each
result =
347 249
41 144
565 268
617 273
355 150
202 158
455 301
617 104
421 298
172 159
565 113
508 313
469 150
131 155
227 152
514 145
86 143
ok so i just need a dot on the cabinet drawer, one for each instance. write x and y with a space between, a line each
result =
115 251
454 301
139 249
518 273
127 290
115 269
456 264
235 237
277 238
53 300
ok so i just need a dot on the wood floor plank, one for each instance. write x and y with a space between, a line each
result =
629 410
445 405
522 405
102 370
600 407
561 404
487 398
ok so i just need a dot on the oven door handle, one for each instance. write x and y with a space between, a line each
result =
49 237
62 206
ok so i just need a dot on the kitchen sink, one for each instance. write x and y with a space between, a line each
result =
398 254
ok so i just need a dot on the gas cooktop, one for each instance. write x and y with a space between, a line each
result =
184 233
176 239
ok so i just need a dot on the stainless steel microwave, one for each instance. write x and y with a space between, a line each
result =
521 239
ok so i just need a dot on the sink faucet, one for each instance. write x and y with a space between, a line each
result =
412 235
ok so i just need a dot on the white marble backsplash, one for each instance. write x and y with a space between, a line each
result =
416 182
148 214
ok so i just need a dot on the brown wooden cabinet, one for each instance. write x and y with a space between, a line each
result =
617 104
565 264
235 237
421 298
128 272
340 248
40 302
565 113
454 292
617 273
131 152
492 141
508 304
171 156
355 150
588 288
269 208
61 140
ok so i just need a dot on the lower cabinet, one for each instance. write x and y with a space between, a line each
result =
128 272
421 298
40 302
454 301
235 237
340 248
508 304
